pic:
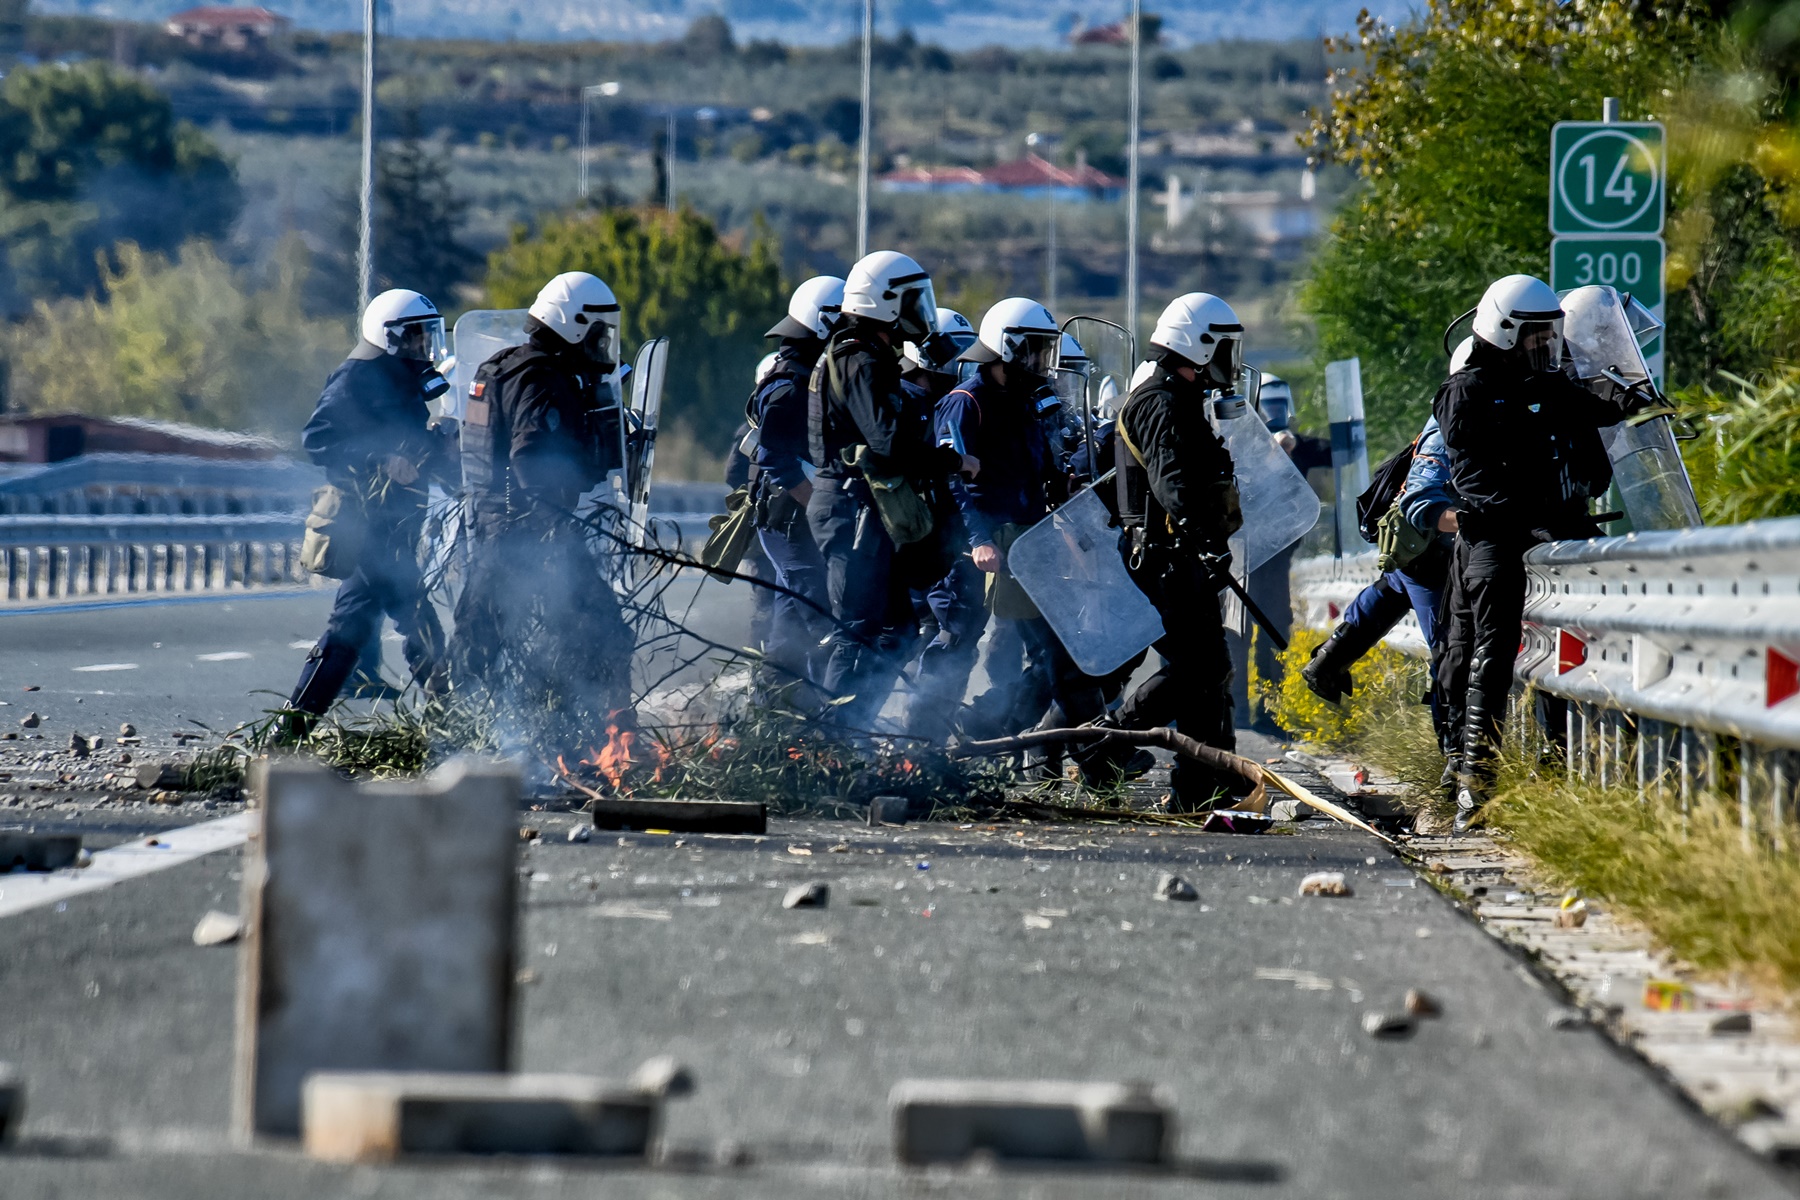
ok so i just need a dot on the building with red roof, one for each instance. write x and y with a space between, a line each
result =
221 28
1031 175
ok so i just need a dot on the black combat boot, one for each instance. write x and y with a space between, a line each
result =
1327 673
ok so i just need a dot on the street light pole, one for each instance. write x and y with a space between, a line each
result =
365 234
609 88
1131 183
669 168
862 171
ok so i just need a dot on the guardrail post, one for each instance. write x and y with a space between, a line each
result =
1778 797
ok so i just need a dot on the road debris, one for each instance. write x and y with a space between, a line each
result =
1422 1004
1388 1026
950 1121
581 833
1731 1024
890 810
1572 915
1174 887
218 929
12 1100
128 730
1325 883
30 721
1565 1018
1668 995
807 895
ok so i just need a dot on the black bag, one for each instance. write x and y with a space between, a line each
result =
1385 485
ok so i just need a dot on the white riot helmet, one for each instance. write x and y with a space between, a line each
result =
1020 333
1520 313
405 324
814 310
582 311
888 286
940 351
1275 403
1204 330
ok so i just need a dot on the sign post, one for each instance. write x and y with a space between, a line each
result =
1608 193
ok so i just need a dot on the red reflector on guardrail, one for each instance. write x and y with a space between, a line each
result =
1781 677
1571 651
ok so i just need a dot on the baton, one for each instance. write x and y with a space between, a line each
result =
1251 607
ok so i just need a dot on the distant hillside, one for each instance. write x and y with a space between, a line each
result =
953 23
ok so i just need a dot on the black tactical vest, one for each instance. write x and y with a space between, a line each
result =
487 427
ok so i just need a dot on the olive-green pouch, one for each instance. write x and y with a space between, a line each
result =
335 532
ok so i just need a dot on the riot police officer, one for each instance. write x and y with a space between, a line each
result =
1525 460
369 434
1178 504
543 425
780 488
865 427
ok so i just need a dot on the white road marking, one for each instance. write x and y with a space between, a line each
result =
108 667
300 645
223 656
140 856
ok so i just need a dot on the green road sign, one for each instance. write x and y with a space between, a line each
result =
1631 264
1606 178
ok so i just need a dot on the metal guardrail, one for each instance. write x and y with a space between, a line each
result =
165 484
1677 652
49 558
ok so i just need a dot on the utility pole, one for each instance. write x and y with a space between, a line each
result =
1131 183
610 88
1035 140
669 171
365 239
862 170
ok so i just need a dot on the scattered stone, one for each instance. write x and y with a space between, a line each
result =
128 730
581 833
890 810
663 1078
1422 1004
85 858
30 721
1174 887
732 1154
218 929
1290 810
1564 1018
528 834
33 688
1730 1023
1388 1026
807 895
1325 883
377 1116
165 776
12 1100
953 1121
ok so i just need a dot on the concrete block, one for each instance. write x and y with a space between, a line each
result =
378 931
890 810
683 816
12 1101
377 1116
947 1120
38 851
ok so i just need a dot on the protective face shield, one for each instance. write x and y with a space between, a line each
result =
1109 354
581 310
918 309
1022 334
1521 314
1460 358
405 324
939 352
1276 403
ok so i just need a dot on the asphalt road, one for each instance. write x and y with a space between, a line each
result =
1246 1006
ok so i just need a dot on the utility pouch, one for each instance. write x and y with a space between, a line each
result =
904 513
1006 599
335 532
1397 541
731 532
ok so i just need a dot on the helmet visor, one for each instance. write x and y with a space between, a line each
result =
1221 369
918 310
1540 344
601 341
420 338
1071 385
1034 352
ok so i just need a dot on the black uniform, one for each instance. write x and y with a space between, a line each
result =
1178 503
372 408
1525 459
856 399
537 615
785 543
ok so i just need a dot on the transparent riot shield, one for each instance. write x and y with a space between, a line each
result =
480 334
647 376
1603 331
1069 564
1279 506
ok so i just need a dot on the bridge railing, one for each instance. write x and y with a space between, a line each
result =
66 557
1677 652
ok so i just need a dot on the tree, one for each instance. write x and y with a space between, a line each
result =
91 156
708 39
417 215
188 339
675 277
1447 121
